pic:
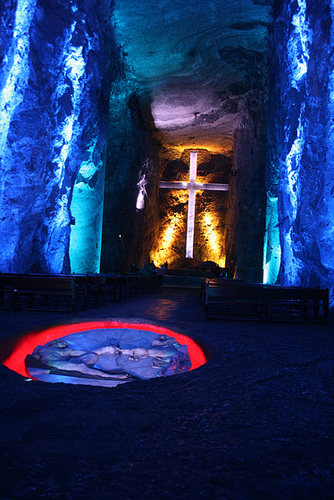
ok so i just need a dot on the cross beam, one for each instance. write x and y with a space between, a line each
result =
192 186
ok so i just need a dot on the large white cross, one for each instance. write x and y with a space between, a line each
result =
193 186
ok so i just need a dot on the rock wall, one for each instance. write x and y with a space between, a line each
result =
131 209
246 211
300 160
210 210
53 110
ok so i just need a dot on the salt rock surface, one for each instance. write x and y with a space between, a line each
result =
108 357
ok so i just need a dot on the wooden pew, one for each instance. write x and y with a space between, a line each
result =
119 286
145 282
219 282
264 302
6 286
96 289
65 292
43 292
130 284
234 300
297 303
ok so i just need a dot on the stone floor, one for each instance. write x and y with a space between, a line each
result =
255 422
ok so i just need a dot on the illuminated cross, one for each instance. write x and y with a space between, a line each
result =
193 186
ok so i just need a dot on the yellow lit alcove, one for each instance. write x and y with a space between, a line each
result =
210 211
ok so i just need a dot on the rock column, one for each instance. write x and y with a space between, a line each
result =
53 104
300 141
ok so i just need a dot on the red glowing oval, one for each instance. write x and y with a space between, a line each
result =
15 351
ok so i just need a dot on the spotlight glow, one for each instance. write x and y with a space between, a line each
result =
87 209
74 69
293 160
169 237
192 187
16 71
292 189
210 225
272 247
68 131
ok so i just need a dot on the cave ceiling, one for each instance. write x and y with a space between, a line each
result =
192 62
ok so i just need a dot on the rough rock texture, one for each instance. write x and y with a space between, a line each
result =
210 210
247 200
130 202
300 141
191 60
179 72
53 105
152 79
200 69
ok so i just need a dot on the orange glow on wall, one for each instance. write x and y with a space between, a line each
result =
210 211
170 235
213 236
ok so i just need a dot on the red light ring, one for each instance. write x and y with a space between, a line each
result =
19 348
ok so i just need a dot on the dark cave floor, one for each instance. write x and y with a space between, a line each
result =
255 422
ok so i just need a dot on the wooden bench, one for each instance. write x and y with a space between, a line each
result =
91 289
6 286
42 292
115 284
120 286
297 303
234 300
65 292
264 302
96 289
219 282
145 282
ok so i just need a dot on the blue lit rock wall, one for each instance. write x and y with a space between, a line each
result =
53 114
301 167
